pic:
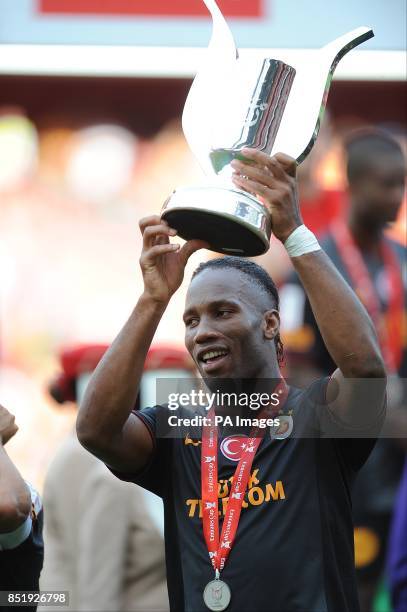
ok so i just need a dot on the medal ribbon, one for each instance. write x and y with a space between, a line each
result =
219 548
390 331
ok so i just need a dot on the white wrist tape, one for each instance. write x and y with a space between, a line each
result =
301 241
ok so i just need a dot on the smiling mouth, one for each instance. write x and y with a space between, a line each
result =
213 357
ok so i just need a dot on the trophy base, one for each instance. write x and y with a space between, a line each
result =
232 221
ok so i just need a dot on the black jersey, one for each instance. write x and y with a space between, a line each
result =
294 544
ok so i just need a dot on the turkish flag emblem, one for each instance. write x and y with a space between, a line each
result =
233 447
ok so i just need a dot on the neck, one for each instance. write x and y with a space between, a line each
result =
271 373
366 234
266 381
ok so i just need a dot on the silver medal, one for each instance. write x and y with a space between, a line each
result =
217 595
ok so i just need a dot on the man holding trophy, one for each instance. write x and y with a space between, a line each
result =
255 522
295 553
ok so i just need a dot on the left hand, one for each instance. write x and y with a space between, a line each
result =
272 180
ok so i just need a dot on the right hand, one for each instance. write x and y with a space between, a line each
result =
7 425
273 180
161 262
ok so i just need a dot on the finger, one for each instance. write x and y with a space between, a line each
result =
261 158
161 239
269 197
157 250
153 231
240 186
241 183
191 246
280 163
255 173
252 186
151 220
289 164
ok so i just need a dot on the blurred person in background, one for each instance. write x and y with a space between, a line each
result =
321 196
373 265
21 519
104 538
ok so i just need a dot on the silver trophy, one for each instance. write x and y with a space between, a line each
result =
236 102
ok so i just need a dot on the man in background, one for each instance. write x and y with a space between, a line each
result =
21 545
104 538
373 265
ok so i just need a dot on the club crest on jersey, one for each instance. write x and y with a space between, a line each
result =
282 431
232 447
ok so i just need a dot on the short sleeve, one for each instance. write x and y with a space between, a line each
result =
354 446
154 476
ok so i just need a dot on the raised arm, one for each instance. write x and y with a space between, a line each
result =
105 425
15 498
344 324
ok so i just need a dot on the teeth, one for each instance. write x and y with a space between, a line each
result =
212 354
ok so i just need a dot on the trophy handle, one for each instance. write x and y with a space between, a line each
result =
221 34
341 45
308 97
202 103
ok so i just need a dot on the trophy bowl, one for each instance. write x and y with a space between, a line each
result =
231 221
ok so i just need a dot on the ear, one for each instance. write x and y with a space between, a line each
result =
271 324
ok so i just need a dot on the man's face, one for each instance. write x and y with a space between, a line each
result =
225 330
378 194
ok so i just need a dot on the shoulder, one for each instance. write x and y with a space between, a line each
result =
165 421
303 404
314 394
